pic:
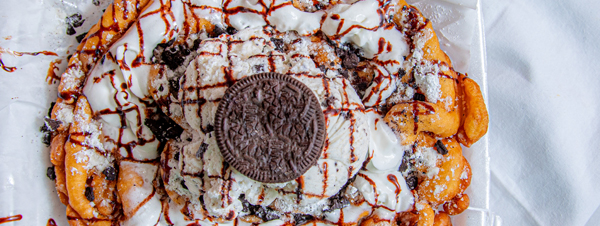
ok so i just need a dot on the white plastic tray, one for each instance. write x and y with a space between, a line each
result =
34 25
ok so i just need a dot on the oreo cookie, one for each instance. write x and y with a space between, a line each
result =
270 127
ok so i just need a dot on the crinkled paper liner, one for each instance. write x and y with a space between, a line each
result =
36 25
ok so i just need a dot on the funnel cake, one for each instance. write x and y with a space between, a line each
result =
136 145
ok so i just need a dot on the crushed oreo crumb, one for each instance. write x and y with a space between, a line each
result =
209 128
349 55
401 72
264 213
110 173
201 150
174 56
50 173
72 22
323 68
96 2
70 30
279 44
166 44
50 109
217 31
170 55
338 201
329 101
80 37
412 181
259 68
419 97
411 79
174 87
345 115
231 30
196 44
344 73
89 194
75 20
405 161
50 125
46 138
183 185
441 148
350 62
300 219
176 156
163 127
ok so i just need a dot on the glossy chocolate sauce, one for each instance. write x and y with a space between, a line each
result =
18 54
51 222
140 60
51 76
17 217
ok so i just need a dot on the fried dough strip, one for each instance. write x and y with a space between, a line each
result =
115 21
460 111
121 19
442 219
414 117
474 112
57 151
426 214
448 178
76 220
129 181
57 158
77 175
375 220
457 205
440 118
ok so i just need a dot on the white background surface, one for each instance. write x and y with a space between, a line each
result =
544 102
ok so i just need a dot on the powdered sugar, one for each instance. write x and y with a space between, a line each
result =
427 79
93 159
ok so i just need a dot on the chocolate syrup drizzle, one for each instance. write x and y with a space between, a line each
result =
121 110
15 53
17 217
51 222
140 60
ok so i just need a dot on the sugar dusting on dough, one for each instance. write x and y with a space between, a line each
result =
426 76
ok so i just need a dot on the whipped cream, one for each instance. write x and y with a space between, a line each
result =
122 75
385 149
251 50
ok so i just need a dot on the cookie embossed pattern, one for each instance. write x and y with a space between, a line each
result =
132 158
270 127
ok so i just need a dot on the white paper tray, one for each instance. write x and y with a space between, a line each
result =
25 97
